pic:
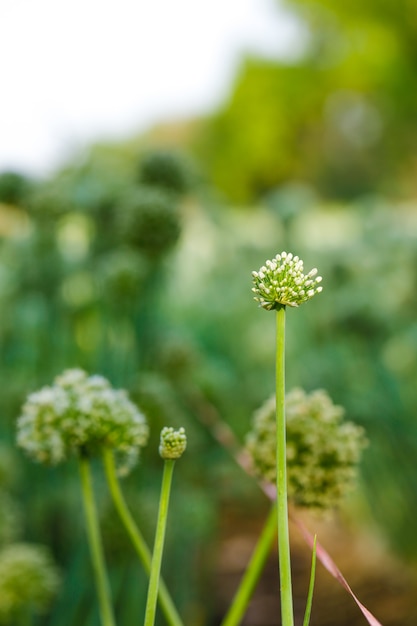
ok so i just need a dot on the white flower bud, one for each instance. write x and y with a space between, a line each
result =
173 443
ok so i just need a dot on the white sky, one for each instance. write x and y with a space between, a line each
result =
73 71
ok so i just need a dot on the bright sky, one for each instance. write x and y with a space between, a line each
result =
73 71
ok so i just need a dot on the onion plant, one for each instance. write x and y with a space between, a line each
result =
298 443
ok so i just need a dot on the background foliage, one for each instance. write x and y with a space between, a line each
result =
340 116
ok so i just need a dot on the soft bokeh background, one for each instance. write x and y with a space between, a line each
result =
132 259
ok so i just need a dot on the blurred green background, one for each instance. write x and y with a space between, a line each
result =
134 261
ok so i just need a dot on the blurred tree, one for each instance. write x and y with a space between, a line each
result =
341 116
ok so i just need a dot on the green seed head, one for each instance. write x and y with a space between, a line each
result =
150 222
166 170
281 282
173 443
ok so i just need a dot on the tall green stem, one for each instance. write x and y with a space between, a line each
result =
96 548
253 571
24 618
159 542
287 614
136 537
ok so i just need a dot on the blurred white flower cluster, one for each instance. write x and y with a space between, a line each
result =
323 452
80 414
28 580
281 282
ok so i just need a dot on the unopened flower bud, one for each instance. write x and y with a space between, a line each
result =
173 443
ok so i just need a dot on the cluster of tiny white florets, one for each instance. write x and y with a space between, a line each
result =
323 451
80 414
281 282
173 443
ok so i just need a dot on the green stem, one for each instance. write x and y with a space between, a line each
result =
159 543
253 571
24 617
96 548
136 537
309 603
282 497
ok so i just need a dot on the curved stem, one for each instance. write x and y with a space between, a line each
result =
96 548
309 603
136 537
253 571
281 484
159 543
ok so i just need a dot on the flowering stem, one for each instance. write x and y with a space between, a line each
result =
281 457
96 548
159 542
253 571
167 605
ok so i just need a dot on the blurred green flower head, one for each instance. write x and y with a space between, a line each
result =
281 282
150 222
166 170
28 580
173 443
323 452
79 414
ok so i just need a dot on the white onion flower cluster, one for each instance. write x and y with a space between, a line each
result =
81 414
323 451
172 443
281 282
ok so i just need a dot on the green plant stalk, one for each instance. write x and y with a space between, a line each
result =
159 543
287 614
165 600
96 548
24 618
309 603
253 571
